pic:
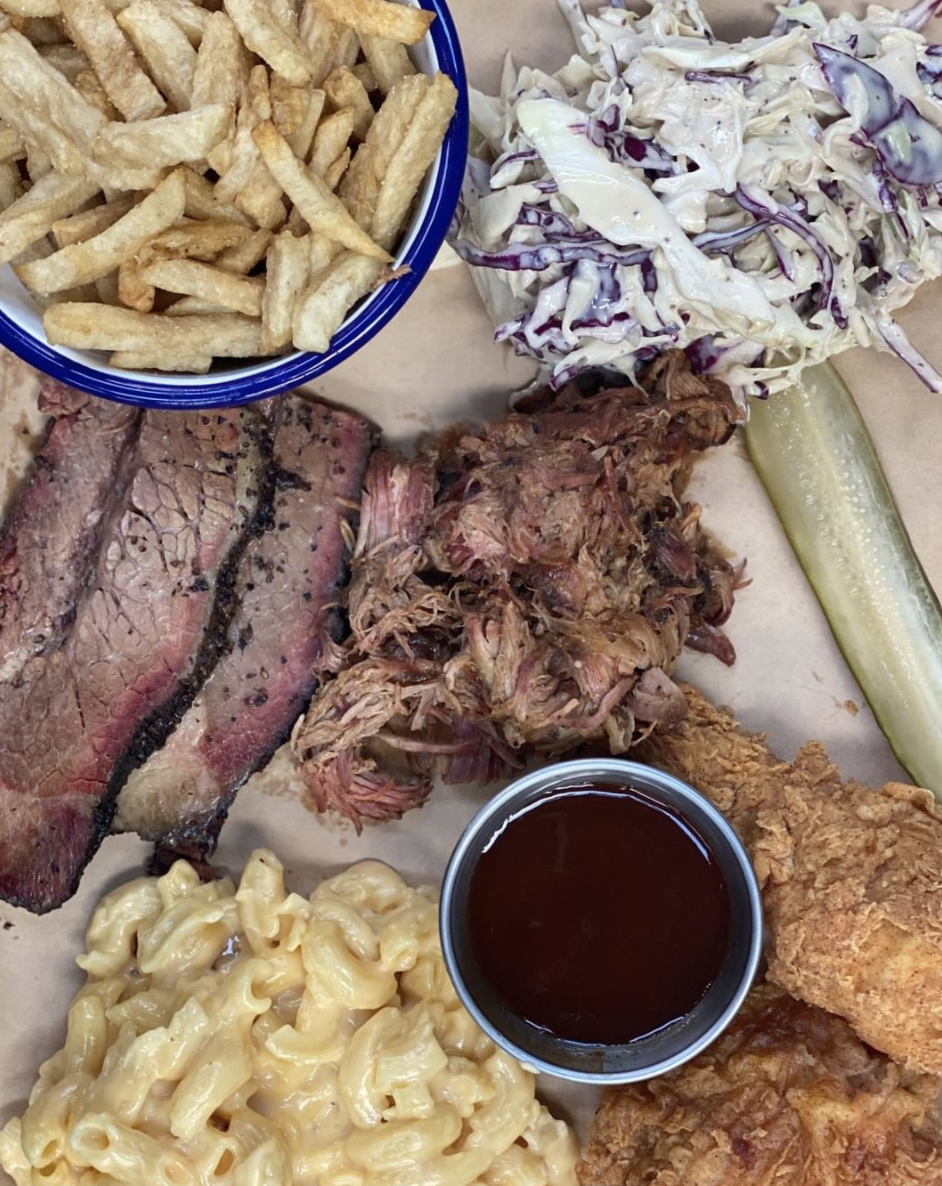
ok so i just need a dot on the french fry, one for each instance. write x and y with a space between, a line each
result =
124 179
90 327
261 200
90 88
337 169
201 200
67 59
189 306
96 257
195 240
274 44
84 292
412 159
45 31
133 290
192 278
246 181
332 138
380 18
95 31
167 140
344 89
31 9
322 252
255 109
164 48
329 44
330 297
222 66
296 112
107 289
12 145
289 260
190 17
359 189
360 186
79 227
44 107
42 248
322 211
364 71
37 164
388 61
31 216
243 257
9 187
157 360
288 104
394 119
285 14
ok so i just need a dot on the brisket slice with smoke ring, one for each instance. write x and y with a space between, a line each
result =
50 541
81 716
282 634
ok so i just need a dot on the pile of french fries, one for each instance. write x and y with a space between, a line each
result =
182 181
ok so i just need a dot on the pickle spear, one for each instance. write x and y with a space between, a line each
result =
813 452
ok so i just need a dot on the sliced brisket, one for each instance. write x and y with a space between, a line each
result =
50 541
80 716
281 637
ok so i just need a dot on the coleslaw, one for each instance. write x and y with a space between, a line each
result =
762 205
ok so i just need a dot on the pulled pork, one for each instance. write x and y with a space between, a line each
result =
522 588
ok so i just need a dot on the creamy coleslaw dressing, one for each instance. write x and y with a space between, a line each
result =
613 201
761 204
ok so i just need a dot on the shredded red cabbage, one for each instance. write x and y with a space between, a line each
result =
537 257
888 120
920 14
894 336
601 307
792 221
622 147
723 242
704 354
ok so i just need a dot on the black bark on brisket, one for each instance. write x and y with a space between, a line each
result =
49 543
283 634
143 639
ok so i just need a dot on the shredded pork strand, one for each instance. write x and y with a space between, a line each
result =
523 588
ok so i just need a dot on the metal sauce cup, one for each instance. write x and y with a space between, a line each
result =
648 1056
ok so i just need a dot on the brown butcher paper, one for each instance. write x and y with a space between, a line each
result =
436 363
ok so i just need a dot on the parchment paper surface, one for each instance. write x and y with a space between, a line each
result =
436 363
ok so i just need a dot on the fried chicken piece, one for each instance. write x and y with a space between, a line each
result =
851 877
787 1096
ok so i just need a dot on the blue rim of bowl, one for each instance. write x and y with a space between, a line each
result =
300 368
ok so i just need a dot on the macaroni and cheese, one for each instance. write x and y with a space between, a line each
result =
254 1037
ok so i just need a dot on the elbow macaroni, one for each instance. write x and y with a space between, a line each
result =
253 1037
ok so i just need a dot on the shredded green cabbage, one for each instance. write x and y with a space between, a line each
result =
763 205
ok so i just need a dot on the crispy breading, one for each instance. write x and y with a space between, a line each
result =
787 1096
851 877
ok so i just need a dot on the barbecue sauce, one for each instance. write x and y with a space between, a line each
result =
598 915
